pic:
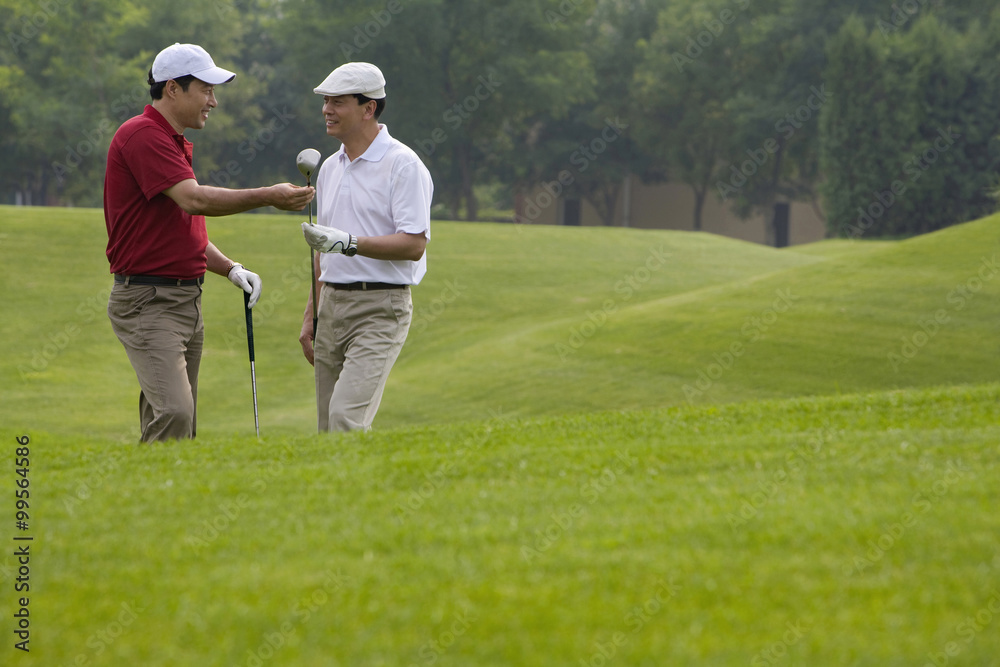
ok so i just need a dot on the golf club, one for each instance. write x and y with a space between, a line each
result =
307 161
253 373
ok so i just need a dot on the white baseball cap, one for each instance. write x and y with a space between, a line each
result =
180 60
354 78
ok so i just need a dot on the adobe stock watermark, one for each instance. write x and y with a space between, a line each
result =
85 489
591 491
460 112
224 9
295 278
786 128
795 462
434 648
32 22
366 33
902 13
94 142
262 312
921 503
914 169
566 9
626 287
929 326
229 511
250 148
449 294
778 650
130 103
581 158
101 641
436 480
304 609
753 330
54 344
634 620
966 632
714 27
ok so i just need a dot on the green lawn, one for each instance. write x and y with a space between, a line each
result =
539 321
568 468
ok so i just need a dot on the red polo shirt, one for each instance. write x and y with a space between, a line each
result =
149 234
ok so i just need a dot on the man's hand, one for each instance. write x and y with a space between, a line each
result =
288 197
306 339
248 281
329 239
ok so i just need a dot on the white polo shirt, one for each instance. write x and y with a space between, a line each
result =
386 190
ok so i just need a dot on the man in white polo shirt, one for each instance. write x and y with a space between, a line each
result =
373 203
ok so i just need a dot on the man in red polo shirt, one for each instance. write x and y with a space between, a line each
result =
158 246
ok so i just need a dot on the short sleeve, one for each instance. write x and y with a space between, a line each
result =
155 161
412 190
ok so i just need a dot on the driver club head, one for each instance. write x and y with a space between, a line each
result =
307 161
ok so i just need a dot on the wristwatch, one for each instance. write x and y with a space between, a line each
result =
352 246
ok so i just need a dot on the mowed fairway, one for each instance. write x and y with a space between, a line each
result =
599 447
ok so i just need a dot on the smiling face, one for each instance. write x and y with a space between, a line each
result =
195 104
345 116
189 108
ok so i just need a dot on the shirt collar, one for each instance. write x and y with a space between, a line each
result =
376 149
186 146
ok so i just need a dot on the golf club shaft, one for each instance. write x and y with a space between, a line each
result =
253 371
312 272
253 380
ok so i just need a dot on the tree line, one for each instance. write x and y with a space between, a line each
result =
881 115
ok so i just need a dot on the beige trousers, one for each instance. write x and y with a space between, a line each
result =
358 339
163 333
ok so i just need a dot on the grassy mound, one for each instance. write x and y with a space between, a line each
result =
530 320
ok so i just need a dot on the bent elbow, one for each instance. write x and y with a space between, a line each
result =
189 197
196 204
191 209
417 249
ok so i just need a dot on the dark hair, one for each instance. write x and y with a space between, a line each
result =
379 104
156 89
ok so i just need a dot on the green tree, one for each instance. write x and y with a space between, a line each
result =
908 143
460 74
75 71
687 86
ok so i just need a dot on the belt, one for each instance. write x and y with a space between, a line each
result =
365 286
157 280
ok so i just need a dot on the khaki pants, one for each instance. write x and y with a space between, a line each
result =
163 333
358 339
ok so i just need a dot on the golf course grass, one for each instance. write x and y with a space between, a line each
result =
599 447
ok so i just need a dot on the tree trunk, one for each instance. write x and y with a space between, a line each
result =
771 197
605 200
468 184
519 204
699 205
610 204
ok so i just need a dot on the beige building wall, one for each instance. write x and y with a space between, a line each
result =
671 206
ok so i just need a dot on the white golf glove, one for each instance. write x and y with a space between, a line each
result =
330 239
248 281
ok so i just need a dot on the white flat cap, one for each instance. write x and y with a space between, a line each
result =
354 78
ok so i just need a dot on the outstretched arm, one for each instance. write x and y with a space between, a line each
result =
212 201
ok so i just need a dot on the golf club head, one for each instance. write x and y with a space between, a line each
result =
307 161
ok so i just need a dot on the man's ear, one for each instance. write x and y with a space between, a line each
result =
370 107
